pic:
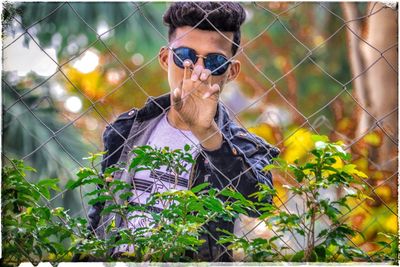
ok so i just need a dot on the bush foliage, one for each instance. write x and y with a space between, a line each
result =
29 220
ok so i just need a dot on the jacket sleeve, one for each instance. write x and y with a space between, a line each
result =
239 163
113 140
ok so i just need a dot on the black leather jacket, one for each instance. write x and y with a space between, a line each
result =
242 155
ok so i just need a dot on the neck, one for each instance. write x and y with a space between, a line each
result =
175 120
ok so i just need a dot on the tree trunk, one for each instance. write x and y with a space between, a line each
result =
373 56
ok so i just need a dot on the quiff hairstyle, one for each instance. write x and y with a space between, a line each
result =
225 16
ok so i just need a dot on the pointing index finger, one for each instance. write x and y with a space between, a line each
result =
186 69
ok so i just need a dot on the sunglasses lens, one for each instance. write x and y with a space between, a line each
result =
215 63
183 53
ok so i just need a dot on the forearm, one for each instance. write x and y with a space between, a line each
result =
210 138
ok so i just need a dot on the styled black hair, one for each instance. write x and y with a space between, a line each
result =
225 16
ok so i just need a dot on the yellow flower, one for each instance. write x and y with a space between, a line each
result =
281 194
265 131
391 224
298 145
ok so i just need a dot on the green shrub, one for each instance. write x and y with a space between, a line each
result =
29 221
317 174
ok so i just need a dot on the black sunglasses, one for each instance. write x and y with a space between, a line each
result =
216 63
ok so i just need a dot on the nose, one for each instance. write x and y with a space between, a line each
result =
200 60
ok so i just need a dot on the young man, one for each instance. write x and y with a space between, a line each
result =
199 61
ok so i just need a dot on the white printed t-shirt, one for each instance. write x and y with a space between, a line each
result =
147 182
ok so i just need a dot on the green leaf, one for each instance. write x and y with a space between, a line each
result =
332 212
212 192
298 257
71 184
345 229
382 243
316 153
330 161
298 172
300 231
126 195
214 204
120 187
322 138
227 192
109 209
97 191
51 183
352 252
281 163
238 208
101 198
38 250
93 156
270 167
321 253
27 168
264 192
199 187
351 169
195 206
135 163
85 172
45 192
309 165
187 147
313 257
111 170
323 233
43 212
342 202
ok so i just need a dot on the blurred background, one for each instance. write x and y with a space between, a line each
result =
69 69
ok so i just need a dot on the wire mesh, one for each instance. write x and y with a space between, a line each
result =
275 92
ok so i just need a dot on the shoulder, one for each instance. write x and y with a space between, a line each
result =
128 115
120 126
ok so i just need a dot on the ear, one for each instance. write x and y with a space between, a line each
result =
163 57
234 70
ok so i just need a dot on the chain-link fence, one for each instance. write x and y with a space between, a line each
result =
69 70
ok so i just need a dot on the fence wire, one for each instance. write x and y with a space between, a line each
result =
271 86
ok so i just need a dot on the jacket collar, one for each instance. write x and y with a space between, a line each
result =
157 105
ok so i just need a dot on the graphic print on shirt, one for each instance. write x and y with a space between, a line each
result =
147 182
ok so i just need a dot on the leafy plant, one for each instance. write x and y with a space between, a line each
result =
313 177
29 221
178 227
389 248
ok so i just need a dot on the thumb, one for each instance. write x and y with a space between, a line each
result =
177 98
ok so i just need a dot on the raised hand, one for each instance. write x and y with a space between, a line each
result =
196 101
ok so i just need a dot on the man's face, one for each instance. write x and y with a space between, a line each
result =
203 42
